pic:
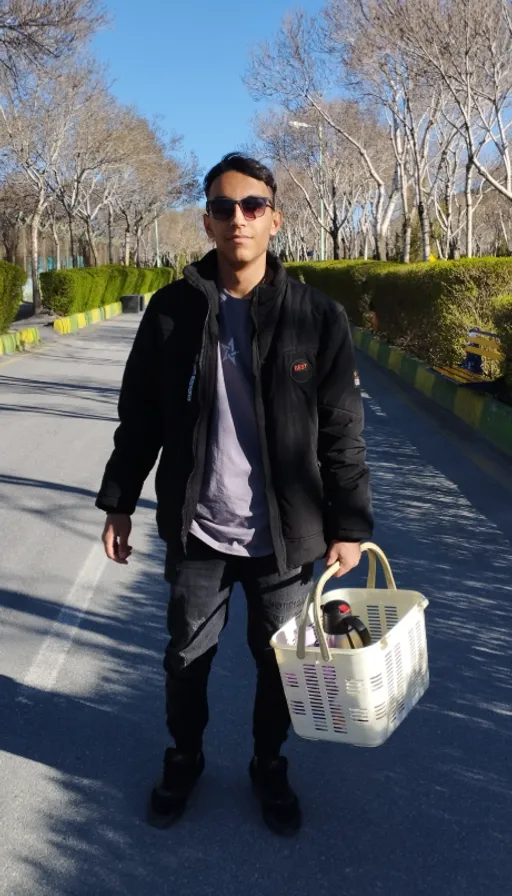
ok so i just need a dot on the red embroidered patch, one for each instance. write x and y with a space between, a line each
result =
301 370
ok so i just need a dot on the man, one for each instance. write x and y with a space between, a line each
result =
245 380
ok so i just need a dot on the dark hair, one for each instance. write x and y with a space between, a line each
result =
236 161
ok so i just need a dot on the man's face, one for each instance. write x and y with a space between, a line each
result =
239 240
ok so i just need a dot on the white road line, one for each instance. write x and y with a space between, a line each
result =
48 662
376 408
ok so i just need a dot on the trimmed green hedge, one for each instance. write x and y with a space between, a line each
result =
503 325
12 279
425 308
345 281
81 289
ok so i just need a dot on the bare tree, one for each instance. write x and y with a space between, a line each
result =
298 238
16 207
182 237
99 140
36 32
34 122
365 42
87 145
493 230
33 142
152 180
437 75
291 72
323 167
55 221
466 48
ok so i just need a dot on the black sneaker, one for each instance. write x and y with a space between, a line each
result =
279 804
170 795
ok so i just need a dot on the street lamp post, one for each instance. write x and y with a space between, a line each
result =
319 128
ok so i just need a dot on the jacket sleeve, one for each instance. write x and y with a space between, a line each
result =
341 448
138 438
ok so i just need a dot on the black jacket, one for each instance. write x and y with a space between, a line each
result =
308 408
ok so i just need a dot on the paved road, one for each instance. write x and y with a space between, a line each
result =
81 704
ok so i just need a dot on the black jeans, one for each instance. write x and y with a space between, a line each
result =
201 585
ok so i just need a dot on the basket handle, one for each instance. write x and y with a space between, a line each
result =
315 597
374 553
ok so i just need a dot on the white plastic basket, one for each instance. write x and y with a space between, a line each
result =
356 696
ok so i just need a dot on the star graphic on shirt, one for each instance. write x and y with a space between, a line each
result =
229 352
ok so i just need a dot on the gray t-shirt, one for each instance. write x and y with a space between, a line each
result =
232 513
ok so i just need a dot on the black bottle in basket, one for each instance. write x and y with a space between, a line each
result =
342 628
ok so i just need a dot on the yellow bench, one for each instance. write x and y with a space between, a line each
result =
480 345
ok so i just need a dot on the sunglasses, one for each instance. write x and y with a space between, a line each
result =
223 209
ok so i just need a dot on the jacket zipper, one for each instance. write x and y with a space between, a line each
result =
198 368
276 530
192 380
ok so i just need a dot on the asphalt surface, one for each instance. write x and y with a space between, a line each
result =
81 686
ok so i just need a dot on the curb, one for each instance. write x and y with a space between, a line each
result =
18 340
73 322
490 418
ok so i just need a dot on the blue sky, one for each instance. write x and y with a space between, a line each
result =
184 61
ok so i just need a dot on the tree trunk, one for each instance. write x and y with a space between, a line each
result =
288 245
335 236
380 234
36 290
381 251
469 209
352 247
425 230
127 238
144 252
72 248
110 237
366 249
25 258
384 219
508 242
454 251
137 247
449 219
407 224
92 244
406 239
15 242
85 251
10 241
57 246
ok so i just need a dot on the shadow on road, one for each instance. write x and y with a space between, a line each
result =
50 501
83 400
429 812
54 412
83 390
404 819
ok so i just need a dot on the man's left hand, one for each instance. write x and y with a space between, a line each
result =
348 553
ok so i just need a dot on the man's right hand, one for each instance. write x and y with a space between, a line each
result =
115 537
